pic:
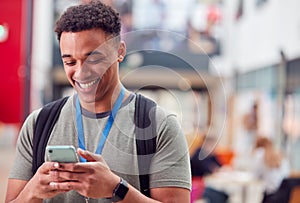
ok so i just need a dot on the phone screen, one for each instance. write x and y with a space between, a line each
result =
62 153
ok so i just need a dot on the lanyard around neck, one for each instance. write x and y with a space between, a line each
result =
107 127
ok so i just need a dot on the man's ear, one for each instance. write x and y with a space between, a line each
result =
121 51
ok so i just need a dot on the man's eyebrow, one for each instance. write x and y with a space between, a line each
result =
87 54
66 56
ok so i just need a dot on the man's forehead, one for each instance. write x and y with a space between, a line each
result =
95 34
88 42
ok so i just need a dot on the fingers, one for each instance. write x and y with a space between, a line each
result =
89 156
82 188
53 167
52 191
48 166
40 183
85 155
65 186
94 161
73 167
61 176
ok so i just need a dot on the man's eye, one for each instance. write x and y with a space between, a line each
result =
93 60
70 63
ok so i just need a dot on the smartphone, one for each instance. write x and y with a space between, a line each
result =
62 153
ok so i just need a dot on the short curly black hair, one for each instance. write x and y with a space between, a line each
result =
94 14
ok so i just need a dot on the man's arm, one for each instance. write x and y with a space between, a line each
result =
165 195
14 188
172 195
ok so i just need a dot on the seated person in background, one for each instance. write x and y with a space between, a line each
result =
269 165
201 166
205 162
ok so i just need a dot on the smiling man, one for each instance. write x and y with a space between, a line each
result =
90 60
103 128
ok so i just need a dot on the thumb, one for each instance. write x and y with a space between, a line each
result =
89 156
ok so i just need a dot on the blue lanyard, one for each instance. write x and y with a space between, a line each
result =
107 127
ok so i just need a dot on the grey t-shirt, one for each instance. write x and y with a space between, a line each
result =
170 166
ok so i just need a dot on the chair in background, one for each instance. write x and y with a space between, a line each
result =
295 195
288 191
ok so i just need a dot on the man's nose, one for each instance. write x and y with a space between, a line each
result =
83 69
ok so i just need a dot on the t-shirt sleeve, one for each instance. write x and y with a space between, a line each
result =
170 165
22 166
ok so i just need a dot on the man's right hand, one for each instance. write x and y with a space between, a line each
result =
36 189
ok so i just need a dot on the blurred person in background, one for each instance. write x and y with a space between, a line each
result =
250 123
205 162
91 50
270 166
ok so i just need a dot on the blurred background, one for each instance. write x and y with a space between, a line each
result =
230 70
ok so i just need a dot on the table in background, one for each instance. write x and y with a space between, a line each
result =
241 186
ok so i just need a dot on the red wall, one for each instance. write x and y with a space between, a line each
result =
12 61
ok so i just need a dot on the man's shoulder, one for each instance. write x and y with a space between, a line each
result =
60 101
53 107
161 114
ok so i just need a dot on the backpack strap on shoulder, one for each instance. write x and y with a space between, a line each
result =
42 130
145 130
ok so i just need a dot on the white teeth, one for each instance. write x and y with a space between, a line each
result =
87 85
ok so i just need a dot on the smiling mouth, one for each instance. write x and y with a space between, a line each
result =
88 85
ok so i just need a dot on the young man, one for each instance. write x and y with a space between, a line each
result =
91 49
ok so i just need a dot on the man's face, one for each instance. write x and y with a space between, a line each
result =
90 62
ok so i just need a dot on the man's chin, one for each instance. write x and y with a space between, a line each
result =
87 99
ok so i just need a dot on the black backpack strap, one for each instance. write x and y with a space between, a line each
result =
145 130
43 128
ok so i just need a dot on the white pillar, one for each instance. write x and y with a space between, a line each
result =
42 40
